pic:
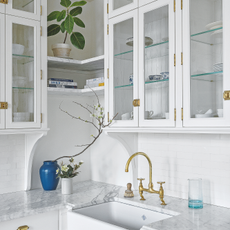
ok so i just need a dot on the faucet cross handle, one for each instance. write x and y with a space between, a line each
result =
141 179
161 182
161 192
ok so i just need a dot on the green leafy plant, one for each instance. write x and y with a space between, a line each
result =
70 170
67 18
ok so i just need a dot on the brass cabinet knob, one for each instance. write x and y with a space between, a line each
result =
226 95
25 227
4 1
136 102
3 105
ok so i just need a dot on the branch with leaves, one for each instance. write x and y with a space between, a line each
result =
97 113
68 18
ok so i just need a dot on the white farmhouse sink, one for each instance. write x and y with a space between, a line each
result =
112 216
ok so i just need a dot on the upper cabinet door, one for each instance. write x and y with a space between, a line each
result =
2 69
123 69
2 7
117 7
24 8
156 64
22 73
206 67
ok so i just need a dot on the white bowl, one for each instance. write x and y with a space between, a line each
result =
21 116
17 49
148 41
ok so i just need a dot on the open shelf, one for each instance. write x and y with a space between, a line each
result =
76 92
92 64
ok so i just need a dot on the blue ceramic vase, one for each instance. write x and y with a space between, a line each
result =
48 175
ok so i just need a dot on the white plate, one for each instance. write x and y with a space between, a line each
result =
148 41
214 25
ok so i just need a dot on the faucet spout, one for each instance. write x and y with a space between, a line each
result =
150 165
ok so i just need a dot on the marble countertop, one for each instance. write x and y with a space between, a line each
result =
87 193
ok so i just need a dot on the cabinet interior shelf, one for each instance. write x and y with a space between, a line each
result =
91 64
76 92
23 59
22 88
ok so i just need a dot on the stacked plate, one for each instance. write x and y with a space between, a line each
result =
218 67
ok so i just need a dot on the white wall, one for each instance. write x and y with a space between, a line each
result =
12 163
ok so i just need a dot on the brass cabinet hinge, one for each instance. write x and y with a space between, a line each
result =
25 227
107 8
41 30
3 105
136 102
182 114
174 5
41 117
174 59
41 74
174 114
108 73
40 10
226 95
107 29
181 4
108 117
4 1
182 58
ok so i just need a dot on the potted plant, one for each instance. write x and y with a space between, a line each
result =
67 173
67 19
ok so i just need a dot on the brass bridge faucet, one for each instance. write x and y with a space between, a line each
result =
150 189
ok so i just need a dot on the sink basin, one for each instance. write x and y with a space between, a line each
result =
111 216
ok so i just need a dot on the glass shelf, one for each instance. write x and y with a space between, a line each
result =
23 59
206 37
146 83
22 88
213 76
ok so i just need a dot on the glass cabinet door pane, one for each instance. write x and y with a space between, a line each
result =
120 3
156 64
206 59
123 69
23 66
24 5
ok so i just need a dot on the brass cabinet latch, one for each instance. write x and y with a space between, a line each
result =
4 1
3 105
226 95
25 227
136 102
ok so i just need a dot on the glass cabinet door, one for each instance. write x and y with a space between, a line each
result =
123 68
22 73
2 68
206 70
156 71
117 7
24 8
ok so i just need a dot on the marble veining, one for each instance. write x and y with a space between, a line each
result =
87 193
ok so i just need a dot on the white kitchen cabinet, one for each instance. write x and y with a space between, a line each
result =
21 68
48 220
180 76
142 47
30 9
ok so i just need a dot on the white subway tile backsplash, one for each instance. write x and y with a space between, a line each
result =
177 157
12 163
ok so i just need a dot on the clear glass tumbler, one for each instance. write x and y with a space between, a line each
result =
195 196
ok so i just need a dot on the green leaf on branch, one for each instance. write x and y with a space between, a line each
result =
61 16
76 11
65 3
53 29
52 16
78 40
79 22
62 27
69 23
80 3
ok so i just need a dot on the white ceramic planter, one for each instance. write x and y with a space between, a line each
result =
67 186
61 50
